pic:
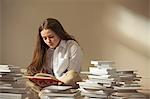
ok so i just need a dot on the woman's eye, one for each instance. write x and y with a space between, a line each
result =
51 36
44 38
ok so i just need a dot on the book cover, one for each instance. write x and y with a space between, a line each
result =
43 80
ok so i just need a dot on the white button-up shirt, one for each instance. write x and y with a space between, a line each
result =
67 56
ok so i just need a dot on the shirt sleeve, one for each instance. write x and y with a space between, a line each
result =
75 58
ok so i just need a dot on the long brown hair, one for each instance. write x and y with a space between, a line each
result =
41 48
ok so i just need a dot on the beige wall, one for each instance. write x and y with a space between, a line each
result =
0 30
148 68
106 30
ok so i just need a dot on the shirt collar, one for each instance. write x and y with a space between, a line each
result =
62 43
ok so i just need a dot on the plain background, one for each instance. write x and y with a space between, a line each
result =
112 30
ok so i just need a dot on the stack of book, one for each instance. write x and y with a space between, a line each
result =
59 92
100 80
12 85
127 85
102 72
105 81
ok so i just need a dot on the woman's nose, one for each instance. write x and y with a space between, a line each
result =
48 40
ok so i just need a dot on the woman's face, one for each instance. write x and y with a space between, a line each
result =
50 38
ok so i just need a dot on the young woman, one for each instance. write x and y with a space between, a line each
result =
56 51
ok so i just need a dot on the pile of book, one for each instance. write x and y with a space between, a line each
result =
105 81
59 92
100 80
127 85
12 86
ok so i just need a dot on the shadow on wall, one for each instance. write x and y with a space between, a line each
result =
128 25
134 7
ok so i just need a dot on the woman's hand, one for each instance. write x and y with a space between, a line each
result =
70 78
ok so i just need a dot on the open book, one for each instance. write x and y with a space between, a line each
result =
44 80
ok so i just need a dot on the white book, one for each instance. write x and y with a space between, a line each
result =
127 88
132 85
5 70
57 88
62 97
104 66
104 71
90 85
10 96
117 97
126 71
53 94
132 95
94 62
5 87
104 84
13 90
99 76
99 92
4 66
96 71
103 81
97 96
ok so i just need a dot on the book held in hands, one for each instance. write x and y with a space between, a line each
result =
43 80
